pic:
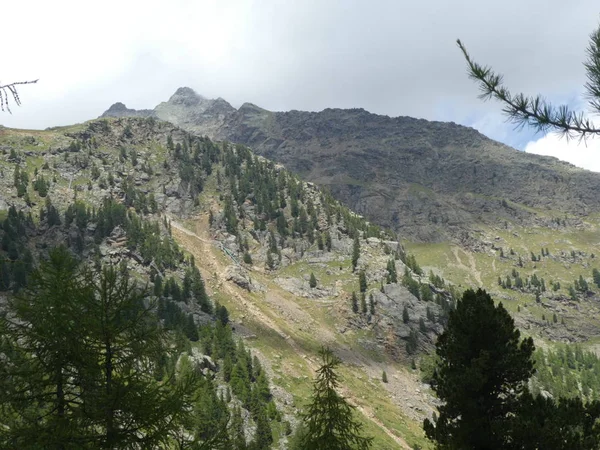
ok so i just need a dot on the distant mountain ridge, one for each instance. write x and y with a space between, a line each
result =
430 181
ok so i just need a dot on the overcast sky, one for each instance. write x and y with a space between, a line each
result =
389 57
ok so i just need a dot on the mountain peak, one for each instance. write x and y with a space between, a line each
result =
119 109
186 96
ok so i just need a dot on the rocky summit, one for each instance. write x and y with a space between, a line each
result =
429 181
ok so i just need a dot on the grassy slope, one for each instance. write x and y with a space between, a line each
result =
473 269
289 330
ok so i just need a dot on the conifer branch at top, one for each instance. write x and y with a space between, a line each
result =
536 111
11 89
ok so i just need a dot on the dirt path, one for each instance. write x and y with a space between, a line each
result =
203 249
368 413
471 269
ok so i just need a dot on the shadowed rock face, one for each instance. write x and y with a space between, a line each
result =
427 180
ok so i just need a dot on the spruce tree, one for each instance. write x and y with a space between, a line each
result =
329 419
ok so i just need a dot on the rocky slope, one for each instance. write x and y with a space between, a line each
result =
256 233
430 181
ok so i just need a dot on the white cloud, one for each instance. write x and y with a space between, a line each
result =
390 57
582 154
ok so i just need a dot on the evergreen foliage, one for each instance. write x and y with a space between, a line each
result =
313 281
82 349
355 252
535 111
483 367
328 419
362 281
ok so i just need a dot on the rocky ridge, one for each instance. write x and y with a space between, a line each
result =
430 181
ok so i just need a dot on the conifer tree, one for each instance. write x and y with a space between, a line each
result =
328 419
536 112
362 281
270 262
355 252
482 369
43 344
84 348
354 302
313 281
392 276
405 316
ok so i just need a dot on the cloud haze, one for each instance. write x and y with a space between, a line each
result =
389 57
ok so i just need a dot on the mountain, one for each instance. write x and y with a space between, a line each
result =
246 256
429 181
241 256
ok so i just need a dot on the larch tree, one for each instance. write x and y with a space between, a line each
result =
329 422
82 362
536 111
10 90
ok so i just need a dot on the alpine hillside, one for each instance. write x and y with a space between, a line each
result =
430 181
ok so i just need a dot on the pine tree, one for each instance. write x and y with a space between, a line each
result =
247 258
596 276
270 262
236 430
125 341
328 241
384 377
329 420
483 366
263 437
371 304
85 348
42 345
363 303
392 276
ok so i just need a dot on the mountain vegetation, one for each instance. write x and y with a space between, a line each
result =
223 275
115 194
427 181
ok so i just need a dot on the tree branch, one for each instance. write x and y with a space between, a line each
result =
11 89
536 112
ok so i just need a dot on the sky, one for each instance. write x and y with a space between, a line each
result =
391 57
